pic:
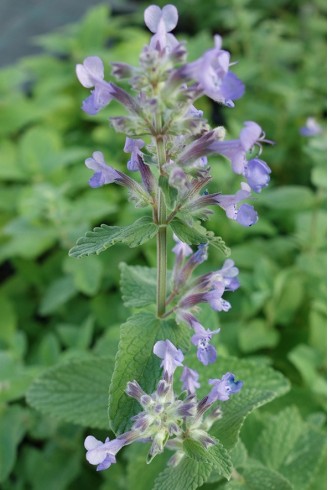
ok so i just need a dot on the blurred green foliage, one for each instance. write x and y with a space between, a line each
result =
55 309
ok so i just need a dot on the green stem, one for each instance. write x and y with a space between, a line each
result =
161 236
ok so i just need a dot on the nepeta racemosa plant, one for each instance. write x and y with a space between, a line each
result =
168 142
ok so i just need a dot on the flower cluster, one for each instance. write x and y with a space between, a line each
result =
187 293
165 88
167 420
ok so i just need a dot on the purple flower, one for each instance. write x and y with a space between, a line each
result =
172 357
206 353
229 274
223 388
102 454
104 174
91 74
161 22
244 215
226 275
189 380
257 173
215 299
211 71
133 146
311 128
181 248
235 150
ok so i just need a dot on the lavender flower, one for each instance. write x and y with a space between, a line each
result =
133 146
104 174
223 388
245 214
215 299
170 355
91 74
181 248
257 173
103 454
206 353
311 128
189 380
161 22
236 150
211 72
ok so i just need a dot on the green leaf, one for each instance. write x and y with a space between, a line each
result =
218 243
257 334
58 293
196 234
137 457
309 363
8 319
135 361
188 475
75 391
13 425
54 466
216 455
101 238
261 385
87 274
15 378
138 285
289 197
187 234
254 476
292 447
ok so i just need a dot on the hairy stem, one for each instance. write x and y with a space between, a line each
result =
161 236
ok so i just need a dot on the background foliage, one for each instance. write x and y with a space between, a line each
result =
57 310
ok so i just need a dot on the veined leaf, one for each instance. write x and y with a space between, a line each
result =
261 385
138 285
103 237
135 361
254 476
75 391
192 235
216 455
196 234
188 475
292 447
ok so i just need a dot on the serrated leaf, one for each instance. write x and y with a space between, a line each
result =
138 285
196 234
254 476
75 391
216 455
218 243
292 447
261 385
135 361
103 237
188 475
187 234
